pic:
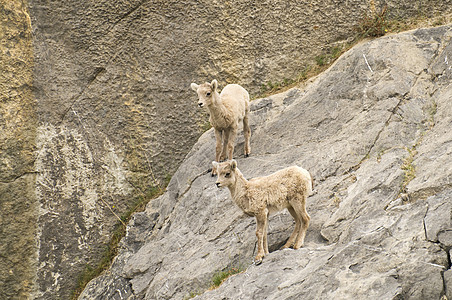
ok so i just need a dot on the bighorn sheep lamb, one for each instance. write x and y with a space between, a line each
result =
227 110
258 197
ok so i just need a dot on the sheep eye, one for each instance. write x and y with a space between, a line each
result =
208 94
227 175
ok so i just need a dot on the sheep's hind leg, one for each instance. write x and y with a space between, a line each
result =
305 218
266 236
218 138
295 231
224 150
230 142
247 134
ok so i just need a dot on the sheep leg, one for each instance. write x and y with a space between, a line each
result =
231 142
295 231
247 134
226 137
218 138
261 220
300 209
266 236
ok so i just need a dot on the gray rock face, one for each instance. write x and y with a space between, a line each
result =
374 130
95 109
17 145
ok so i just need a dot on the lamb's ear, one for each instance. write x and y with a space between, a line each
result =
194 86
215 164
214 85
233 164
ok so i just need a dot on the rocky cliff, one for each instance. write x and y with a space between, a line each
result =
96 110
374 130
18 122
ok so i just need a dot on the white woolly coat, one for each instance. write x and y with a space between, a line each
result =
235 101
273 191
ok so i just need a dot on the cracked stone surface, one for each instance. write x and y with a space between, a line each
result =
96 109
18 123
95 105
351 127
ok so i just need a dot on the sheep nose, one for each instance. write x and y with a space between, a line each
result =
200 104
218 184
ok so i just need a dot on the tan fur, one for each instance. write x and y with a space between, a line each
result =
258 197
227 110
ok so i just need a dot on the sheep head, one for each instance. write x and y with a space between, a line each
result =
206 92
226 173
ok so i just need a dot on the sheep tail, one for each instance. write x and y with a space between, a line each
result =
312 183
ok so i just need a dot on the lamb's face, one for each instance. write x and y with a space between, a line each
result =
204 95
205 92
225 173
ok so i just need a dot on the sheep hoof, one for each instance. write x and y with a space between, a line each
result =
258 261
247 155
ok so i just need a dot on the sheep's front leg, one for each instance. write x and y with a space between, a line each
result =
261 220
218 138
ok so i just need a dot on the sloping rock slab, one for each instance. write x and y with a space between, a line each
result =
374 130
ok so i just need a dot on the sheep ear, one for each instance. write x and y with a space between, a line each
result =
215 164
214 85
233 165
194 86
